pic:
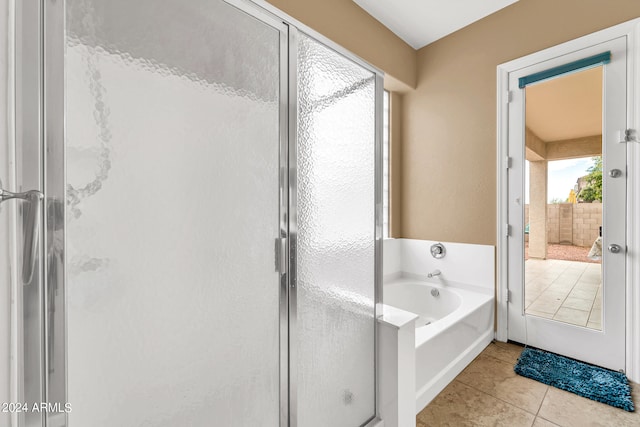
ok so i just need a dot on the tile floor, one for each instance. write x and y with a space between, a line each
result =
567 291
489 393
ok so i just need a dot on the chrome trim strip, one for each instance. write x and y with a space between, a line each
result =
286 142
29 70
15 364
293 226
379 201
284 228
55 350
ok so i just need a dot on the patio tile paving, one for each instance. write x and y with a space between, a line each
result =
567 291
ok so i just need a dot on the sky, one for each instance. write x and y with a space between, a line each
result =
562 176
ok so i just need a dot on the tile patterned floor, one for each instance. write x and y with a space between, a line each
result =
489 393
567 291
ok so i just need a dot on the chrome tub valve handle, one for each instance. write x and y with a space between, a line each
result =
32 216
438 251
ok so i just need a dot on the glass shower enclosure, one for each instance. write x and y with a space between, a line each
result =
208 232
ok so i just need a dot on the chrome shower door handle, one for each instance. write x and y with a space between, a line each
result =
34 203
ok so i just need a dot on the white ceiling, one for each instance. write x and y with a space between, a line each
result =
420 22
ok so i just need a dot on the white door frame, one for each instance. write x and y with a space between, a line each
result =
631 30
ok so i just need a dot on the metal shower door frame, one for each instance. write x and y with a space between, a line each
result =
41 28
40 115
29 302
295 28
263 10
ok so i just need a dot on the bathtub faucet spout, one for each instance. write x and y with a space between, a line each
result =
433 274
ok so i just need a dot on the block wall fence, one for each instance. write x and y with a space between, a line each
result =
571 224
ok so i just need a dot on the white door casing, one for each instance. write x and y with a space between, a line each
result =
625 314
606 347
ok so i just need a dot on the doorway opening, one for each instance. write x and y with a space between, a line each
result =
563 199
564 320
617 344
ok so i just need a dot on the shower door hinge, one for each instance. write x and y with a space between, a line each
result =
507 230
507 162
627 135
281 254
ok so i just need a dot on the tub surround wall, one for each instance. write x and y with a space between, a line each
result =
391 258
464 265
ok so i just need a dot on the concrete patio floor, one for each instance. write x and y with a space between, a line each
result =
566 291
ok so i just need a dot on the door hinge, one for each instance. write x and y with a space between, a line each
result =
509 96
507 230
280 254
507 297
508 162
627 135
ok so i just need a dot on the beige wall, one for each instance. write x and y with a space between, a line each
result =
395 165
449 123
538 209
347 24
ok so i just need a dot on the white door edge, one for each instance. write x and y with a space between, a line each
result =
631 29
633 209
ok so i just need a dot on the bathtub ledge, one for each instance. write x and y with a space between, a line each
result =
395 317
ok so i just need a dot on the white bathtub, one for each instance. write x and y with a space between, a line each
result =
452 329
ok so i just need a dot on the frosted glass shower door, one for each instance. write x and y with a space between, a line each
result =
336 239
173 204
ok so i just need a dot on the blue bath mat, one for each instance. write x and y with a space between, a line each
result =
585 380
